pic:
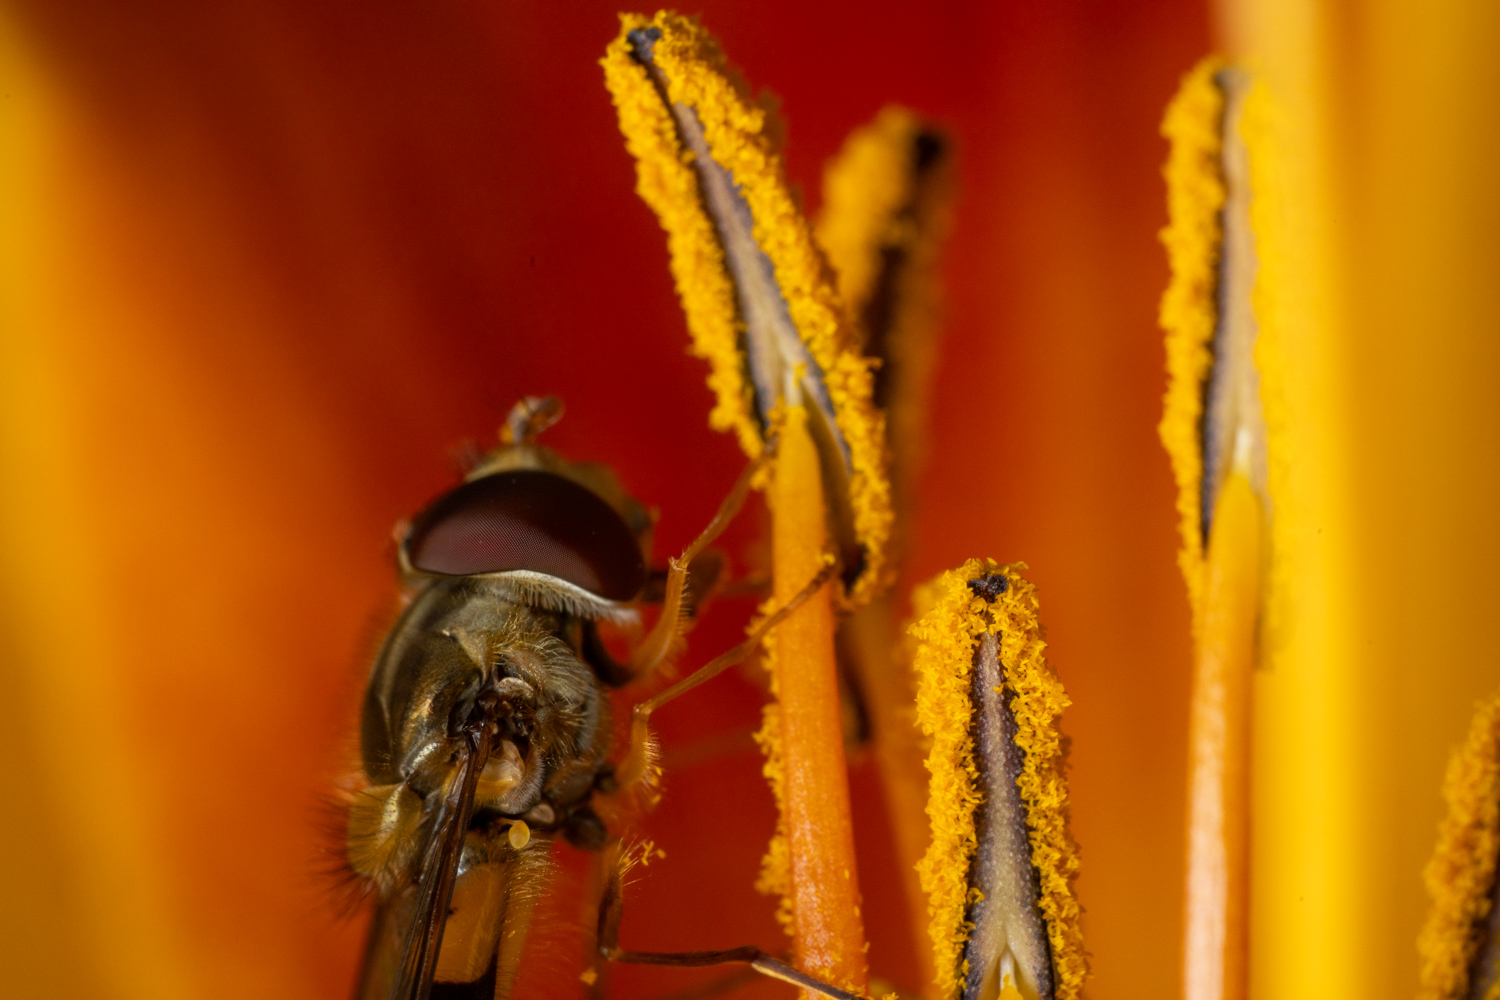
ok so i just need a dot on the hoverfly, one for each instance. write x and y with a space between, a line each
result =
485 732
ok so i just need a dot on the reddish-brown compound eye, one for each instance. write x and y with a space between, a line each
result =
526 519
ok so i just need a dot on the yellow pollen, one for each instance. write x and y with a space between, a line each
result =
947 635
741 136
1189 308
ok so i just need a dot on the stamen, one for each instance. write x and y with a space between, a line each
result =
885 217
745 261
1000 871
1215 433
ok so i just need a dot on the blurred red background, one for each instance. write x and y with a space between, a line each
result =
278 260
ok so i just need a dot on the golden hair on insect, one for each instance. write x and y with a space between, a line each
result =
991 703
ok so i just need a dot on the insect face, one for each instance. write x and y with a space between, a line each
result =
460 641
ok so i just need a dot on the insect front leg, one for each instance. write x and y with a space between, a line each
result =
612 909
637 761
665 640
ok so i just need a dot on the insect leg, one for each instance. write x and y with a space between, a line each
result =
665 638
634 764
717 987
612 908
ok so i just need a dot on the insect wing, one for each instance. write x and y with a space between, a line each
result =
411 924
490 911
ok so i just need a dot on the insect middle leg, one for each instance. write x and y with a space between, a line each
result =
665 639
634 765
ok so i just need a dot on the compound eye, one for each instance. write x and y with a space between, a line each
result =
526 519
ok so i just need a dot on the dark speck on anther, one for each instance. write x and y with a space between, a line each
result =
643 41
926 150
853 564
989 587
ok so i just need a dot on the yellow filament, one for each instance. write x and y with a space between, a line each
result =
819 833
1217 948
